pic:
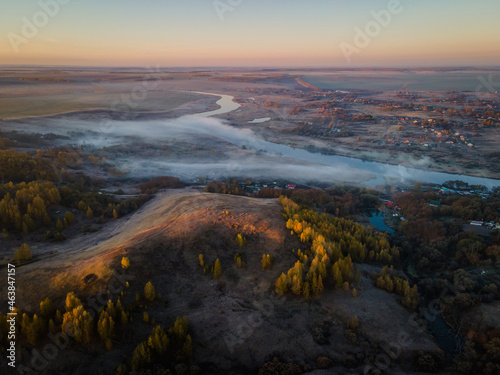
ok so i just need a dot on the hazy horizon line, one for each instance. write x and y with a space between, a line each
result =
264 67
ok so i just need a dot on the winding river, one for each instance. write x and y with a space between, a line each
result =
379 171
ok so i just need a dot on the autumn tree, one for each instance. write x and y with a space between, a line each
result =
32 329
125 263
281 286
59 225
23 253
77 323
71 302
123 318
141 356
105 328
217 269
158 340
69 218
266 262
353 324
47 308
240 240
149 292
239 261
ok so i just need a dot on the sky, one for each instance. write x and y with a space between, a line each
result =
251 33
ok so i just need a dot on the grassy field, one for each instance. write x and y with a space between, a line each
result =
28 106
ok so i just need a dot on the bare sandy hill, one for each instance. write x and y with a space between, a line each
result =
84 264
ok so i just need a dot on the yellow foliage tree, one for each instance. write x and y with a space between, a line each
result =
217 270
149 291
125 263
23 253
77 323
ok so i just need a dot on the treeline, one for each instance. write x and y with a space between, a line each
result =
341 201
416 205
334 243
25 200
21 167
24 206
434 236
74 321
100 204
339 236
85 326
164 347
481 355
435 246
163 182
388 281
231 187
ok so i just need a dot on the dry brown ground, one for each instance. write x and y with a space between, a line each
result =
237 323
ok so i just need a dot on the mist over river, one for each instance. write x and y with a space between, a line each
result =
233 152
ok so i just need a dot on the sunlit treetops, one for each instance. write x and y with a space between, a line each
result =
334 244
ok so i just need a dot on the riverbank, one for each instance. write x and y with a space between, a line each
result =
401 159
